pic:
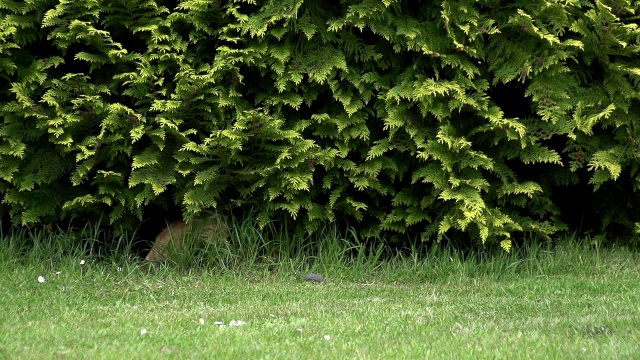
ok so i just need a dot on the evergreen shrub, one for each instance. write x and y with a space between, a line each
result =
420 117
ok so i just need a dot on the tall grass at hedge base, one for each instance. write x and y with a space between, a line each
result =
49 247
333 253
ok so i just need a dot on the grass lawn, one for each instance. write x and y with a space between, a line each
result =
575 300
561 304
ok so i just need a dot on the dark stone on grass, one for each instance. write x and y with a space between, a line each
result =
311 277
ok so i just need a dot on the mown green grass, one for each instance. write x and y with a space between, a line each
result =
571 301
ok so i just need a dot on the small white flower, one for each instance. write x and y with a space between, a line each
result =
57 272
41 279
327 337
82 262
272 315
201 321
119 268
237 323
143 331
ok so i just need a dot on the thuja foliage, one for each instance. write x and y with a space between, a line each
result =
425 117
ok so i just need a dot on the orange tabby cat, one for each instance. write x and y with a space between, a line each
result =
173 236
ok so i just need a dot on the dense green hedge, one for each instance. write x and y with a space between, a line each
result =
431 117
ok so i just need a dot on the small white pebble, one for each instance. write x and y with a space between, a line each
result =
201 321
327 337
237 323
41 279
143 331
82 262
